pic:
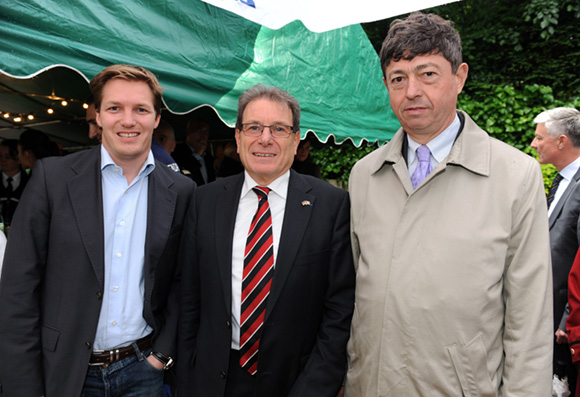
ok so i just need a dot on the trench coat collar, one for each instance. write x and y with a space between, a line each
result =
471 150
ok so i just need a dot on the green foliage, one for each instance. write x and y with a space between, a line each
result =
513 42
336 161
507 113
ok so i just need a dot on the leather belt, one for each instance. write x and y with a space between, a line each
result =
107 357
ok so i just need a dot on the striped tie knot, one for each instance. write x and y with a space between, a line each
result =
261 191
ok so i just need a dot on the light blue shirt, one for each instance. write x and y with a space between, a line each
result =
440 146
121 320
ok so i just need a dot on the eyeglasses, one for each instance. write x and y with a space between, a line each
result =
277 130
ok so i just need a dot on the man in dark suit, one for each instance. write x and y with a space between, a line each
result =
13 180
192 156
268 276
557 142
89 294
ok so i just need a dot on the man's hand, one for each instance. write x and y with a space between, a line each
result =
155 362
340 392
561 336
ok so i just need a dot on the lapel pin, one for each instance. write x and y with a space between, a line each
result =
306 203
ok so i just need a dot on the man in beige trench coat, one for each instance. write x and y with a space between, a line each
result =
450 239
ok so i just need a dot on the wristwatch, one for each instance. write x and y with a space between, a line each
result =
164 358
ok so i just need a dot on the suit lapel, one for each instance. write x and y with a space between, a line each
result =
161 203
296 218
85 191
226 209
560 204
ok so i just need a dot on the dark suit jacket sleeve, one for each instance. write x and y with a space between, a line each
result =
23 271
326 367
189 301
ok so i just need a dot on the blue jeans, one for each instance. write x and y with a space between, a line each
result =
130 377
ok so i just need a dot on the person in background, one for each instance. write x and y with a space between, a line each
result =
303 163
557 141
14 180
450 240
165 135
89 291
231 163
34 145
192 156
91 118
266 307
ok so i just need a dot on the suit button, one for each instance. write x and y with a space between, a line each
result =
99 295
88 345
223 375
228 324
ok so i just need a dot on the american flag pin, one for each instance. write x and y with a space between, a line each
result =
306 203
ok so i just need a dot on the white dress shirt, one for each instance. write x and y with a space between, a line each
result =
567 174
246 210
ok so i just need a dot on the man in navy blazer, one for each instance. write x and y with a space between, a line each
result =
557 141
300 339
89 289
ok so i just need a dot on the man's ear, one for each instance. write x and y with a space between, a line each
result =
461 76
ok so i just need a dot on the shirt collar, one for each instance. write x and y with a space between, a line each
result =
440 146
570 170
107 160
278 186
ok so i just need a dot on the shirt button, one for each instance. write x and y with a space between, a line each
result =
115 288
118 254
114 323
122 223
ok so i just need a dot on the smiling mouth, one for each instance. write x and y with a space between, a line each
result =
128 134
264 154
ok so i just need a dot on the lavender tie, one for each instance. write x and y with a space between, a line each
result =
423 168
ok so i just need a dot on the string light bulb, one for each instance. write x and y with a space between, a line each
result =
85 105
50 110
6 115
64 103
30 117
17 119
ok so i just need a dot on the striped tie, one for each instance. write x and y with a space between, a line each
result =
554 188
256 281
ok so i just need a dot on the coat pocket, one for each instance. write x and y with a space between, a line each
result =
49 338
470 364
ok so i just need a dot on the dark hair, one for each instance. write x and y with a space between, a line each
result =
128 73
272 93
12 145
421 34
38 143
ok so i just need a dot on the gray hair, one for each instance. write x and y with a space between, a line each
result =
272 93
561 121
